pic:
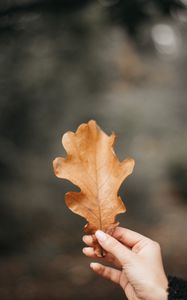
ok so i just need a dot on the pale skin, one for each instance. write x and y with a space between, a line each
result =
136 263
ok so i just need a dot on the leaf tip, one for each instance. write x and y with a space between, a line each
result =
113 137
92 122
129 164
66 137
56 166
132 163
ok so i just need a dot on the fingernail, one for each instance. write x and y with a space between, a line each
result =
83 238
100 235
93 265
85 250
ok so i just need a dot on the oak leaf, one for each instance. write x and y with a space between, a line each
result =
92 165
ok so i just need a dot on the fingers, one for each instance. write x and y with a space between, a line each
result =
89 251
111 245
88 240
128 237
106 272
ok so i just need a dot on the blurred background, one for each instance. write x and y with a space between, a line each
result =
62 63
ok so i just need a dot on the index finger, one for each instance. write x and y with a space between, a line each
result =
122 253
128 237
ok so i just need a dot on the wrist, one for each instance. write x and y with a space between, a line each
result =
162 295
158 293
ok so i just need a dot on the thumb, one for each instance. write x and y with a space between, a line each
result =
111 245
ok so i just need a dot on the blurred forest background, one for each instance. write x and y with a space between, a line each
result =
124 64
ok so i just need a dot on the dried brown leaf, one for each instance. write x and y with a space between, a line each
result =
92 165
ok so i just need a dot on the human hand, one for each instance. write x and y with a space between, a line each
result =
138 260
